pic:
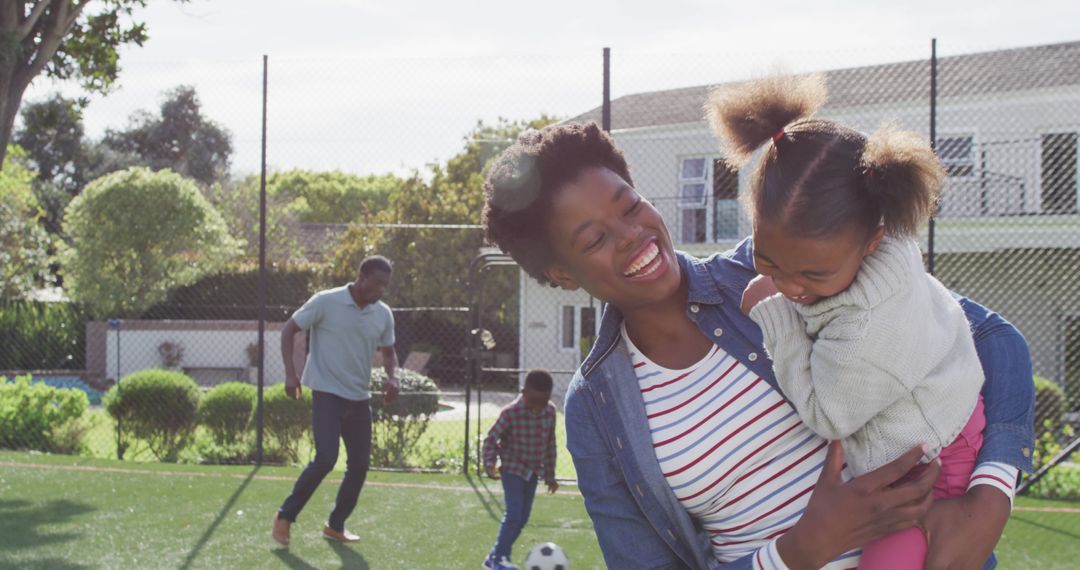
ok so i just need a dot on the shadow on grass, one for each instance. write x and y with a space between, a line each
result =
349 558
225 510
21 523
1045 527
488 499
291 560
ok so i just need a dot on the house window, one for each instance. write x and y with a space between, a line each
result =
568 312
577 323
726 193
1060 191
957 155
705 181
693 177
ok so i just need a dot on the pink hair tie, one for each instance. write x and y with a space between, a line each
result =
779 135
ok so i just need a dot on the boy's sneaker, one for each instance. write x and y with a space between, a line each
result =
502 564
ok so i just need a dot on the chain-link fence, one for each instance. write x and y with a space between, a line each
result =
1007 235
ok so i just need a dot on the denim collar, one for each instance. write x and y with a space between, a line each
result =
705 287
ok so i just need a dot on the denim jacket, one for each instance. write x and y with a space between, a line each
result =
637 518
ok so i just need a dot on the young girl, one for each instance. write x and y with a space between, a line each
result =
869 348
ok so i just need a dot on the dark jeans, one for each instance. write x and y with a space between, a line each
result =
518 495
334 417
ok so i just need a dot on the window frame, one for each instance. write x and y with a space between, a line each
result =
949 163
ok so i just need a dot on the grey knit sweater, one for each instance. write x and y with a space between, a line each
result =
883 366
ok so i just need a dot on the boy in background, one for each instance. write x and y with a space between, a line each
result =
523 438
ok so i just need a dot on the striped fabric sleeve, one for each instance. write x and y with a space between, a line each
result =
768 558
1001 476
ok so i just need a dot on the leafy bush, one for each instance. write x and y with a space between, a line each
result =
226 411
123 256
207 451
157 407
1060 483
38 336
35 415
23 241
1049 404
287 421
397 427
227 295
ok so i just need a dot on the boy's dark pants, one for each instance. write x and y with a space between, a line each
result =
518 494
334 417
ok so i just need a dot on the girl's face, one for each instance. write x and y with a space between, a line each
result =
806 270
611 242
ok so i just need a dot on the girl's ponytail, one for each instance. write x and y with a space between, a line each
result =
903 176
745 116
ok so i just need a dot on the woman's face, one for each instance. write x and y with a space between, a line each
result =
611 242
806 270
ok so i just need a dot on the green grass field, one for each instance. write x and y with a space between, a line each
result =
73 513
92 513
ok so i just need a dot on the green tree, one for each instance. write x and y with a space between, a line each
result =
64 39
431 264
24 245
331 197
53 136
179 137
238 202
135 234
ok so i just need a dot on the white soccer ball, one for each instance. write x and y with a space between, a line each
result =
547 556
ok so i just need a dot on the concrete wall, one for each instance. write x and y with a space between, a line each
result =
214 351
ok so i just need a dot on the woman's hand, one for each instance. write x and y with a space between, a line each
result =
842 515
757 290
962 532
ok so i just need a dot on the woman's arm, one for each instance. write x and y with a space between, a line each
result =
842 516
962 532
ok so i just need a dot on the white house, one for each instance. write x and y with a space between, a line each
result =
1007 233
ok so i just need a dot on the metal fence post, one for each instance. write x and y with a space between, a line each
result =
262 282
605 117
933 147
115 325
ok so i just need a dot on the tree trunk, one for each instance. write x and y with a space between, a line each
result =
9 106
27 43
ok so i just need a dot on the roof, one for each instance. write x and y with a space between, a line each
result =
1036 67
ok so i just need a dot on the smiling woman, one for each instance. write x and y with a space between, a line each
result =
687 452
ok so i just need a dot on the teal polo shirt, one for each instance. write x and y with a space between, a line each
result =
343 342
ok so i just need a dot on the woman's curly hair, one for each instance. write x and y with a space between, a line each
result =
519 188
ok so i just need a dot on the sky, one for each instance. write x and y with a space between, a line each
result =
394 85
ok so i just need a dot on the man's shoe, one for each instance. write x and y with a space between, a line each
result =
489 562
504 564
281 530
340 536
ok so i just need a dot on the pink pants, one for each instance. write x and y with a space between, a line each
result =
907 549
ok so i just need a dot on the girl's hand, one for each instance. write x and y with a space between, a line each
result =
757 290
843 516
962 532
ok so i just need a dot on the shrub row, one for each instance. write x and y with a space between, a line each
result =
40 417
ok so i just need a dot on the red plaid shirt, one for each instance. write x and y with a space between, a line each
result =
524 440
